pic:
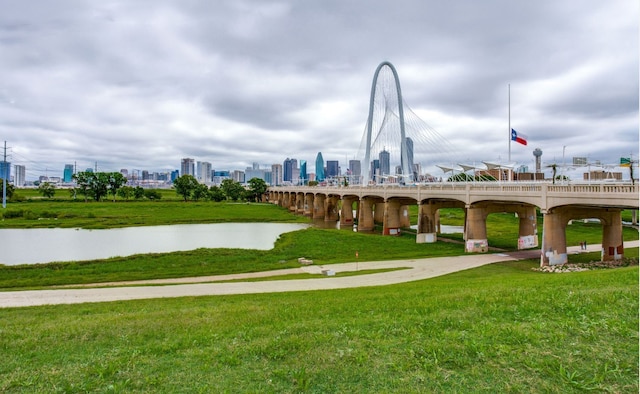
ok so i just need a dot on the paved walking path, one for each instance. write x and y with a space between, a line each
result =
418 269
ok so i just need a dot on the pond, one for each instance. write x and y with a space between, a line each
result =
32 246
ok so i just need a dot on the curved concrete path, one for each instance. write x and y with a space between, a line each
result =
418 269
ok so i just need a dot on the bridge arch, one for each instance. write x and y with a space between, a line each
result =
403 141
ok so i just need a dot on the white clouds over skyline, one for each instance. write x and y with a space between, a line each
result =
143 84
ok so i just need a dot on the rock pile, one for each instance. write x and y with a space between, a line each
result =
592 265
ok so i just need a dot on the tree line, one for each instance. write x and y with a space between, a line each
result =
99 185
189 188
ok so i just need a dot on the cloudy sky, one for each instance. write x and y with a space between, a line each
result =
142 84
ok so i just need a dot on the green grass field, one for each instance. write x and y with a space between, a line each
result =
497 328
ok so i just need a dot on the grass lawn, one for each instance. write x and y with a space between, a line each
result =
498 328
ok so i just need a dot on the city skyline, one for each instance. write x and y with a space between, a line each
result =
143 85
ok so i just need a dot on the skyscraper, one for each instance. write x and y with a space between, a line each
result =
319 168
276 174
375 170
355 171
5 171
204 171
333 168
414 175
303 172
188 167
67 174
19 176
385 166
290 170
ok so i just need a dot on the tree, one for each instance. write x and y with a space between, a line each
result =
10 189
98 184
83 180
257 188
115 181
200 191
185 185
125 192
138 192
47 189
232 189
216 194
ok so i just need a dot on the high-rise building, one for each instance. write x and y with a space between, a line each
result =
319 167
290 170
5 171
333 169
188 167
19 179
276 174
355 171
413 175
303 173
375 170
204 171
238 176
385 165
67 174
254 172
175 174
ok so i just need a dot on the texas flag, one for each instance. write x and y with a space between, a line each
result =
518 137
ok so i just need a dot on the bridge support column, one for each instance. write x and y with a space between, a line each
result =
528 232
346 211
405 220
612 241
331 209
365 215
299 203
476 230
308 205
318 206
554 240
378 212
292 201
427 219
391 223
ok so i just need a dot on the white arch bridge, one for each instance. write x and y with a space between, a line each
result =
389 206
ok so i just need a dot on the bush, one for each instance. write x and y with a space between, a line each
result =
13 214
152 194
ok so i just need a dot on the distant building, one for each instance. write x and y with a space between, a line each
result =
320 167
175 174
601 176
354 171
303 179
204 171
290 167
67 174
333 169
219 176
276 174
188 167
375 170
5 170
385 163
238 176
19 179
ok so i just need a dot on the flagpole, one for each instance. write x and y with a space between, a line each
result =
509 123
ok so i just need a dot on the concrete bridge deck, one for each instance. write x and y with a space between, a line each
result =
558 203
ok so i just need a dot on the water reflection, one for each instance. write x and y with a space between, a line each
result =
29 246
